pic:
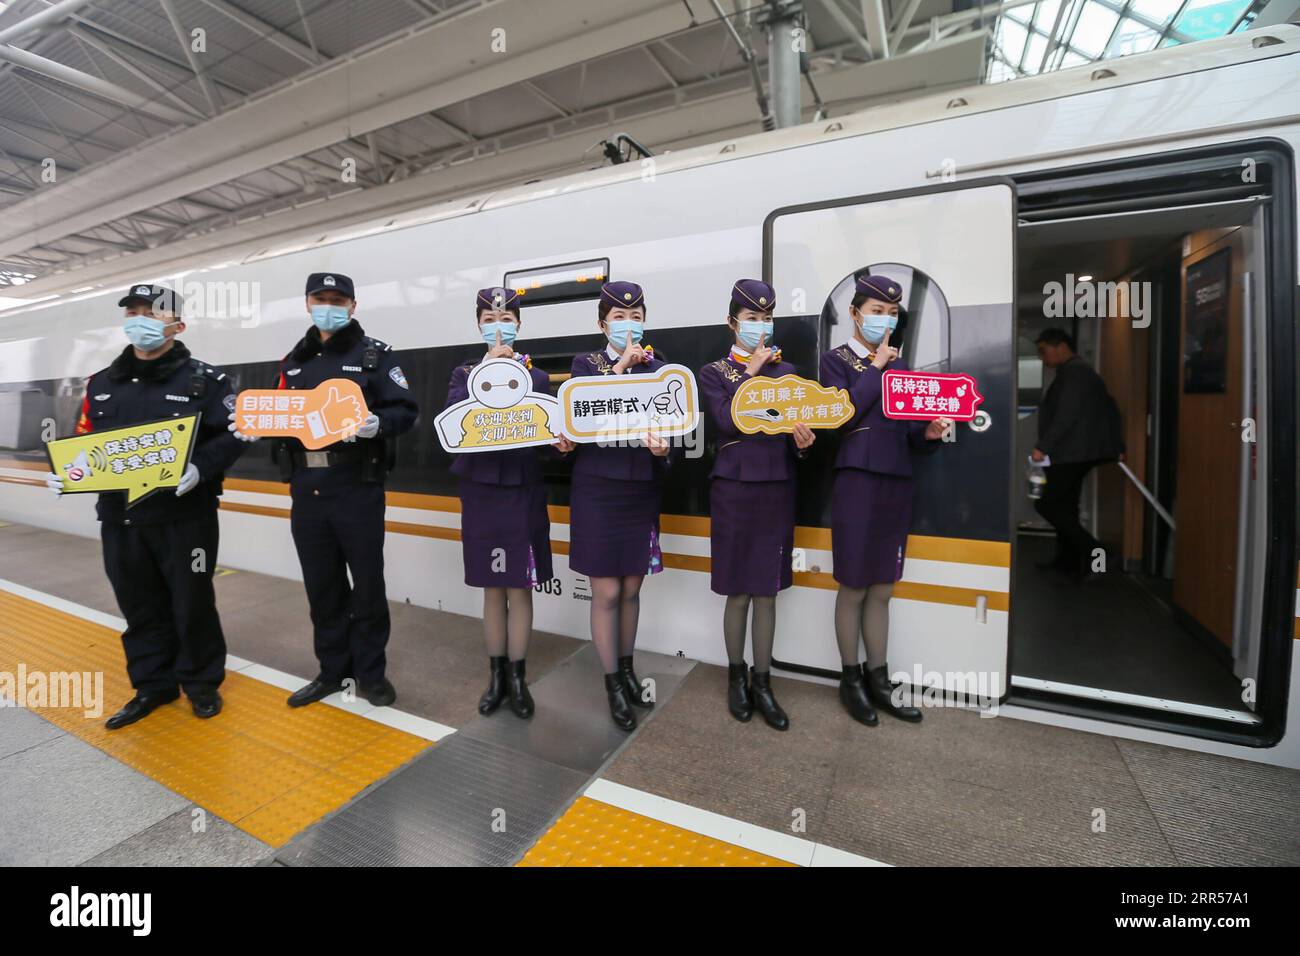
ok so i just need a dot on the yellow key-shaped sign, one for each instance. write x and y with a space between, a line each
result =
775 405
138 459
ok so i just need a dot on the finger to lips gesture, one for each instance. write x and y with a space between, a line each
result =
762 355
499 350
885 353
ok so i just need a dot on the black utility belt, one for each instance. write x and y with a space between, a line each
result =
326 459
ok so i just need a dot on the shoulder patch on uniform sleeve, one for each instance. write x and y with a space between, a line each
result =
395 373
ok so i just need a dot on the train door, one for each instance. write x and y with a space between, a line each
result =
952 248
1171 277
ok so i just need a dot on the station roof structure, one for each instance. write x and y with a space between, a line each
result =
127 126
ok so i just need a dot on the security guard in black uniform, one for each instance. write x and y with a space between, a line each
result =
161 553
338 494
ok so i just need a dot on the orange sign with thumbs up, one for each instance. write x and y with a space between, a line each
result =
331 412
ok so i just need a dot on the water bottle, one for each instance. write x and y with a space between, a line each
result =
1037 479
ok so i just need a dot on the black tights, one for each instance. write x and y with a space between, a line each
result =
863 612
615 610
763 627
507 621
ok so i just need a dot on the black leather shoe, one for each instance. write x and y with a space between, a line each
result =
521 702
206 705
632 683
619 708
139 707
382 694
496 690
738 700
760 687
853 695
882 692
316 690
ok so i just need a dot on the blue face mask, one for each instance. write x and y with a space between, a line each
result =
875 326
145 332
751 329
330 318
620 329
489 330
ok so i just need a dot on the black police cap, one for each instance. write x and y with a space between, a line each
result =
157 297
330 282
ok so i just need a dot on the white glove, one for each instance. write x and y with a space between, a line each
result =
234 430
188 480
370 427
54 481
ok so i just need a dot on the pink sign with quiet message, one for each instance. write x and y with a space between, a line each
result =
923 396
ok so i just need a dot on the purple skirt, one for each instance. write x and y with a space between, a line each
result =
506 534
614 527
871 515
751 534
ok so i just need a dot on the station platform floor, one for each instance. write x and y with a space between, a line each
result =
430 781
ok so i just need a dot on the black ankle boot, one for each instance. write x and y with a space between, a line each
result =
619 708
521 702
632 683
853 695
760 683
738 700
882 692
497 690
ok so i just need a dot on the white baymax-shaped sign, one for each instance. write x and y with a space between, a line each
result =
618 408
502 411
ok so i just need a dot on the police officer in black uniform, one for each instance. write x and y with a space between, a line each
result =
338 494
160 554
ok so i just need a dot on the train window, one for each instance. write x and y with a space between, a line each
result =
564 282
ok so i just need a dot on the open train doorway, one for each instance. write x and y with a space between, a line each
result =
1140 566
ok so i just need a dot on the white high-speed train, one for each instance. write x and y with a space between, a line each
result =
1142 171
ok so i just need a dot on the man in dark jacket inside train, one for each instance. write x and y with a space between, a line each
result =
1078 428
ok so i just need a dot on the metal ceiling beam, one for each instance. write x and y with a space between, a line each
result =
89 38
93 85
708 118
847 25
42 19
425 69
873 19
901 24
183 38
269 33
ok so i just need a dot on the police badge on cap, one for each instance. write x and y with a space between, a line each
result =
157 297
330 282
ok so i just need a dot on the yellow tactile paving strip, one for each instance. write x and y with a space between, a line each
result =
592 833
260 765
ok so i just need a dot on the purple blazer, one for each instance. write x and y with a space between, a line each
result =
744 457
617 461
513 466
871 442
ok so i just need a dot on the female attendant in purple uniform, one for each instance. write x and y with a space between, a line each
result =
751 502
505 528
614 506
871 505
